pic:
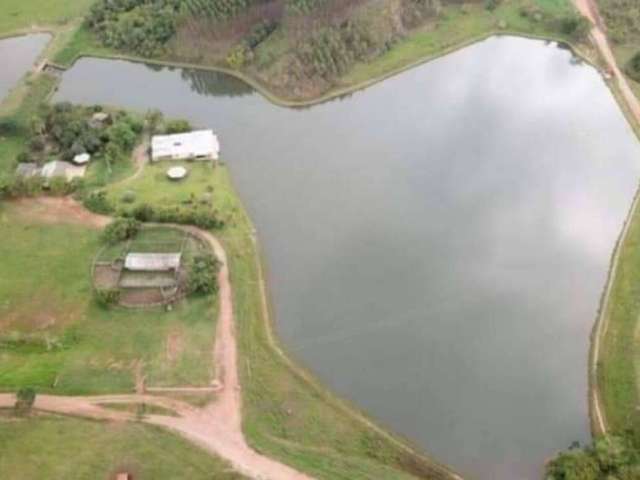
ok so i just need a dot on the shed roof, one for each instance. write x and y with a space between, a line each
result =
152 262
27 169
82 158
186 145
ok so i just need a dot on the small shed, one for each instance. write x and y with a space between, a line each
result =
27 170
82 159
198 145
99 119
152 262
58 168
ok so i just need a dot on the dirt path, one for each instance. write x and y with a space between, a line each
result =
216 427
589 9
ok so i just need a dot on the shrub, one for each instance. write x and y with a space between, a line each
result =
128 197
107 297
575 26
177 126
143 212
203 275
25 398
633 67
98 202
120 229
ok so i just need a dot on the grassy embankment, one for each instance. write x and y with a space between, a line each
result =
60 447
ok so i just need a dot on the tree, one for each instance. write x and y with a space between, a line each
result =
120 229
203 277
178 126
25 398
153 119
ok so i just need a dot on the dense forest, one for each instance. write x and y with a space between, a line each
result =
296 47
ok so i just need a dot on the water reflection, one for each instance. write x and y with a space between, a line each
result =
437 244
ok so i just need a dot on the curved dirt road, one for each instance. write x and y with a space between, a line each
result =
218 426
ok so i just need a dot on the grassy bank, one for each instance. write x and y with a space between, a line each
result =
48 447
16 15
53 336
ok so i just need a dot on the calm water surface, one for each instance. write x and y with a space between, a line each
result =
437 244
17 55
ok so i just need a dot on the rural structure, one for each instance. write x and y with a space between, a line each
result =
197 145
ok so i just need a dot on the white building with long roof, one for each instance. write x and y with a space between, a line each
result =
198 145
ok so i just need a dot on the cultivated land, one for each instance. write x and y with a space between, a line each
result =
20 15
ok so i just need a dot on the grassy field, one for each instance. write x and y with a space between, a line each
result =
57 339
457 26
619 357
48 447
21 14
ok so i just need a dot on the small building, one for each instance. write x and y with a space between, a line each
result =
27 170
99 120
152 262
176 173
82 159
198 145
59 168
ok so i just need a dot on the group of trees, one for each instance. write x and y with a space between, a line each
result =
611 458
139 26
65 130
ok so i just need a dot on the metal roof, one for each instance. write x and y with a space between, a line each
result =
152 262
182 146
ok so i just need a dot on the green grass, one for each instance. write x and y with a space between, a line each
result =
46 296
21 14
47 447
456 26
619 356
82 42
153 187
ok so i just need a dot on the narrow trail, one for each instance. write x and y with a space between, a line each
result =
598 34
217 427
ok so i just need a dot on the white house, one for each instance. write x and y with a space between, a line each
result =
59 168
198 145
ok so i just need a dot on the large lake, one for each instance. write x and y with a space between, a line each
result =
437 244
17 55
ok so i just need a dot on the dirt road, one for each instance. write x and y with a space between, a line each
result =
589 9
216 427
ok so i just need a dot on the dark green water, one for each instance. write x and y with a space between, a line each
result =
437 244
17 55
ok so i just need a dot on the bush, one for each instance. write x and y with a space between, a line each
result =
120 229
128 197
177 126
203 275
633 67
25 398
144 212
575 26
97 202
107 297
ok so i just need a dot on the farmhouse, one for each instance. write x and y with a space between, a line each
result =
198 145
